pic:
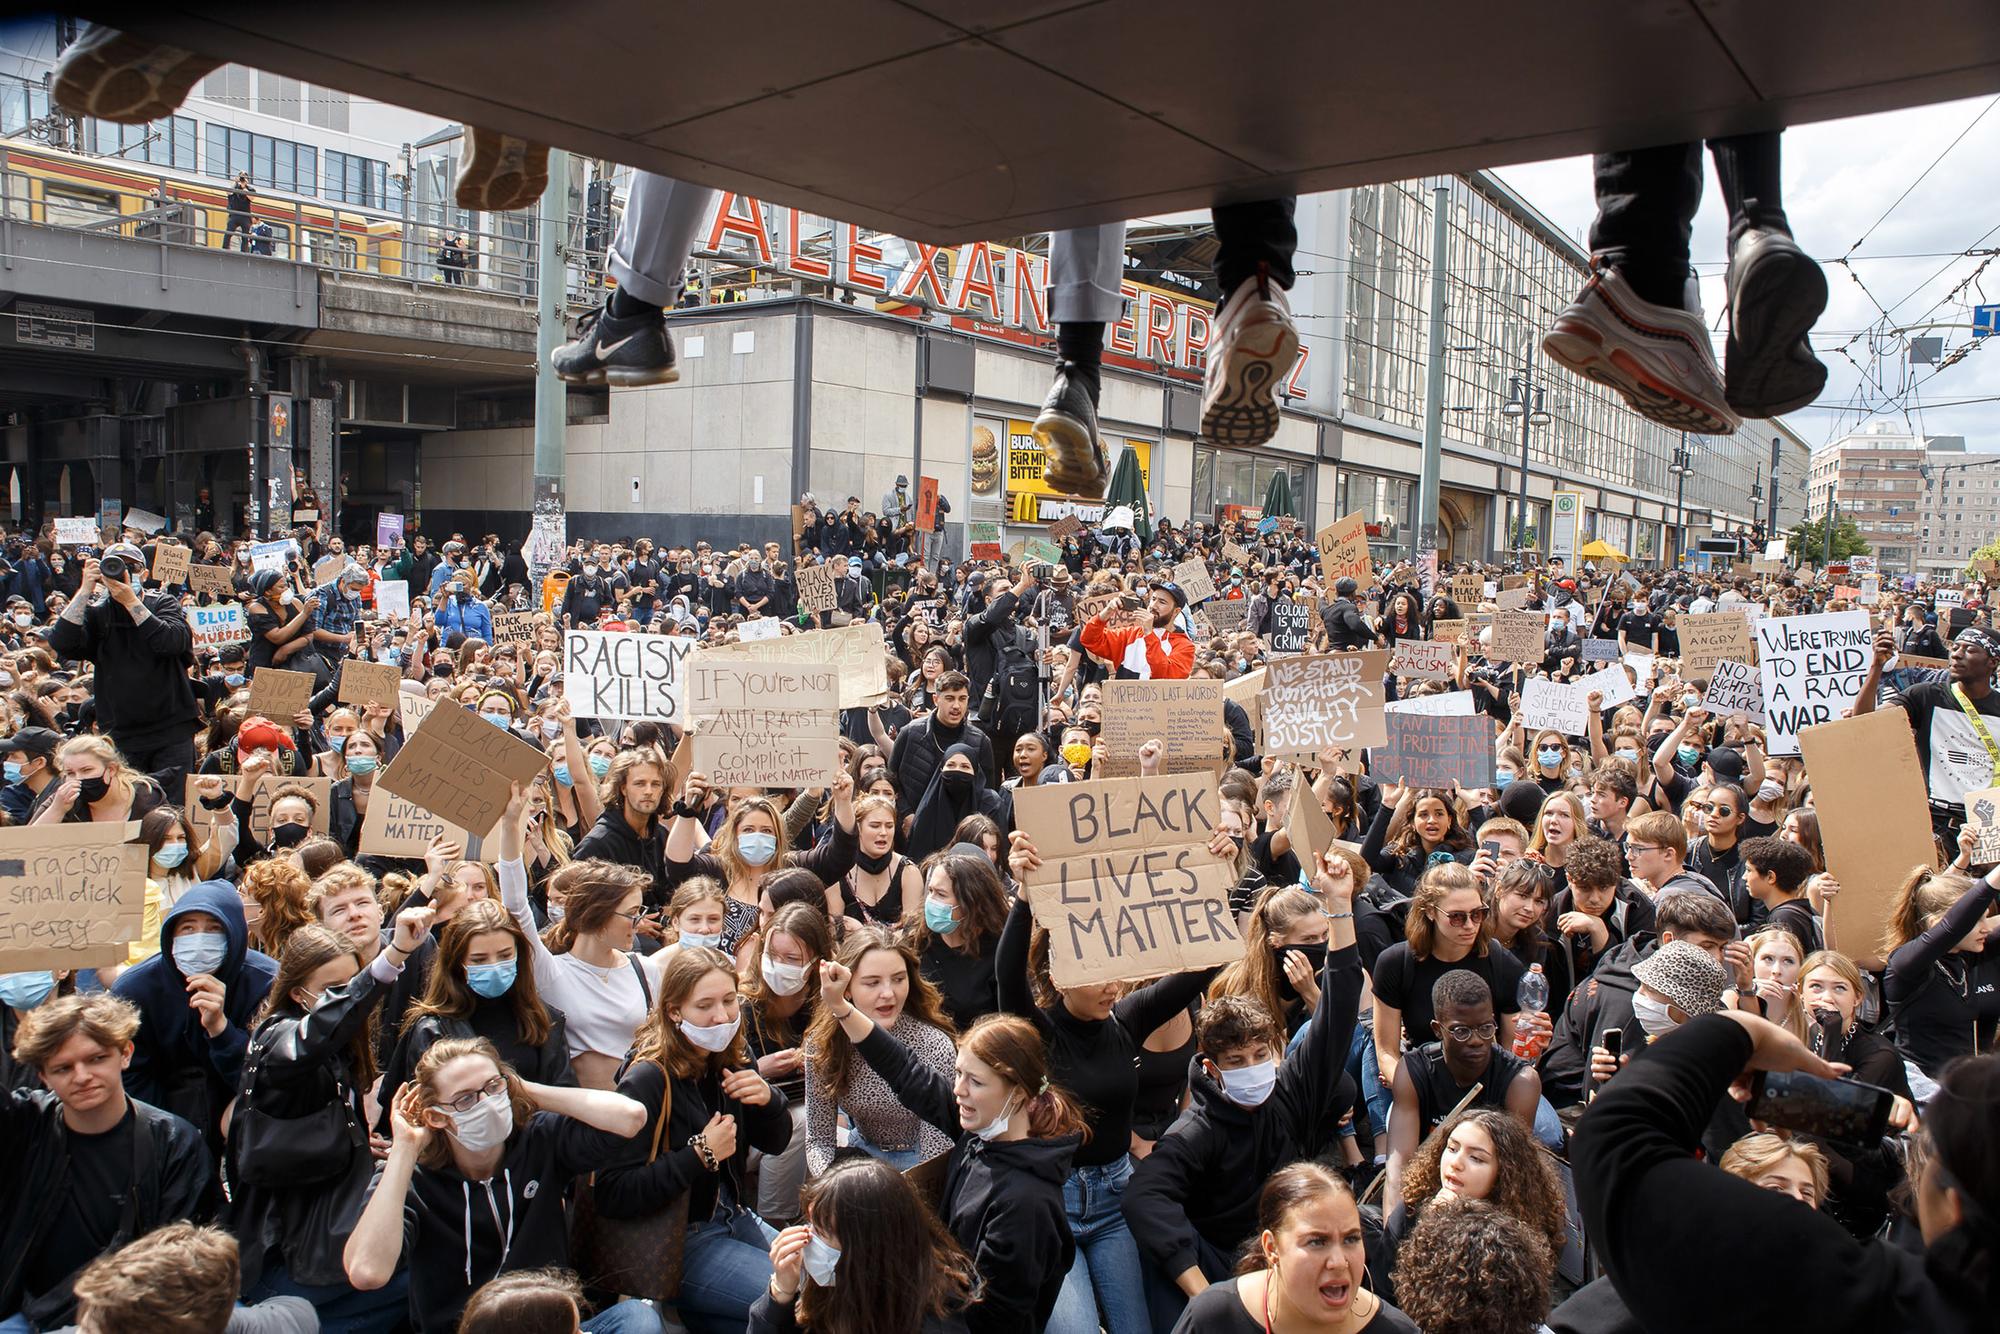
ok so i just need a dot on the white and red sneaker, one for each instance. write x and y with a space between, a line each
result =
1255 347
1657 357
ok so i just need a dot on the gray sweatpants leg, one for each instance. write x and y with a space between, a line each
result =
1085 267
649 254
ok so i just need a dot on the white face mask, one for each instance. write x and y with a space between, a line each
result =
711 1037
997 1127
487 1125
783 978
1652 1014
1251 1085
820 1260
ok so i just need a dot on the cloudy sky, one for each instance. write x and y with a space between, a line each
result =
1840 178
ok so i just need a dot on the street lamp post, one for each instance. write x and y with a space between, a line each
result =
1526 400
1682 465
1777 449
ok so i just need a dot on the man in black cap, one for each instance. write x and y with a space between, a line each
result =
31 766
1345 629
1143 643
1956 722
141 646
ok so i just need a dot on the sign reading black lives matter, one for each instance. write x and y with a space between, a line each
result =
1127 886
607 674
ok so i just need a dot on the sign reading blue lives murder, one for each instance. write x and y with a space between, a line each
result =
609 674
1811 668
1436 750
1127 887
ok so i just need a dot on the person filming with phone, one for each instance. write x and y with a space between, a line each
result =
141 647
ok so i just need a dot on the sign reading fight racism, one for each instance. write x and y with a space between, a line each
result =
1330 701
764 724
1424 660
1127 886
611 674
1812 669
71 895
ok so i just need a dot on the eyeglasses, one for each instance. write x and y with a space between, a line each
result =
471 1098
1464 917
1631 848
1483 1033
633 916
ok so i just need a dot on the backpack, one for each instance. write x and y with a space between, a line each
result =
1013 701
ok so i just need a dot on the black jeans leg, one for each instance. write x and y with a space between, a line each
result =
1747 169
167 760
1646 202
1247 235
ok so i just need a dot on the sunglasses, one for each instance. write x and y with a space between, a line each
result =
1464 917
471 1098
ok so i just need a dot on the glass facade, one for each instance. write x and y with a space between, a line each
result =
1235 477
274 164
1510 277
1388 504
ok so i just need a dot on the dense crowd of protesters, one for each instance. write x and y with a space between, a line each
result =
661 1050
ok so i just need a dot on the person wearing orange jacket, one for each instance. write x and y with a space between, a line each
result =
1143 643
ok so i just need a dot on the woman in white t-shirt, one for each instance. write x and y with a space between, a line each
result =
588 969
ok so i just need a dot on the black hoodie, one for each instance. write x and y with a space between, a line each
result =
1205 1173
1003 1200
1602 1002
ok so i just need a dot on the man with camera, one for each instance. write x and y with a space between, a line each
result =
141 646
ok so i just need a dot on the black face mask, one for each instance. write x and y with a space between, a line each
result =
91 789
957 783
874 865
1315 955
1091 725
289 835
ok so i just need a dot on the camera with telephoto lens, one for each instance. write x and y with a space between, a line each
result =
113 567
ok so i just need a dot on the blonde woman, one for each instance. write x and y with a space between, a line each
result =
96 785
752 841
1789 1166
1284 950
1775 960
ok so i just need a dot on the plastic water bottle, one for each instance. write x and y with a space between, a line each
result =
1532 997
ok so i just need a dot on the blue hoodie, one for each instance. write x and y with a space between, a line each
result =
175 1064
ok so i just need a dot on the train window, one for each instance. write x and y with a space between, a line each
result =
75 206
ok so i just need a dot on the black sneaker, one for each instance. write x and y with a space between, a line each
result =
608 350
1776 292
1067 431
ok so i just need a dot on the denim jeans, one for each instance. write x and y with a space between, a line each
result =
900 1159
1368 1078
341 1309
1109 1275
625 1318
726 1265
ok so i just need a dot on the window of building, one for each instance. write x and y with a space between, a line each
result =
20 103
1234 477
352 179
1388 504
273 164
167 142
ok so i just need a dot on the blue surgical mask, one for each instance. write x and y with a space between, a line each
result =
24 991
691 940
500 720
491 980
362 764
1550 758
1503 776
339 743
1690 701
200 952
171 855
1626 753
1689 755
234 680
756 849
393 656
939 916
600 765
13 768
562 776
1251 1085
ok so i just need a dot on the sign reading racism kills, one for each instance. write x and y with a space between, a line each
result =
607 674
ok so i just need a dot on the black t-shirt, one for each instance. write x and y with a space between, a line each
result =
263 653
1405 981
1219 1310
1438 1092
100 1177
1639 631
1277 870
1954 759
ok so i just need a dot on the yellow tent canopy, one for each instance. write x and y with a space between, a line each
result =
1599 549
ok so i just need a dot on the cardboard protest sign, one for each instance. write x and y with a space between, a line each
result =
1424 660
1734 687
1610 682
392 598
1456 702
1600 650
1553 705
261 796
1247 690
1185 717
798 529
764 724
855 652
1512 599
370 682
1234 554
1944 597
1065 528
1226 615
1917 660
760 629
1343 550
1518 636
398 827
612 674
1812 668
328 568
927 504
1192 576
278 694
78 531
144 521
1467 589
71 895
211 580
816 590
1436 750
1291 627
458 765
1982 814
1308 825
412 708
171 563
513 627
1127 886
1328 701
272 555
1449 629
1874 818
218 626
1712 637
